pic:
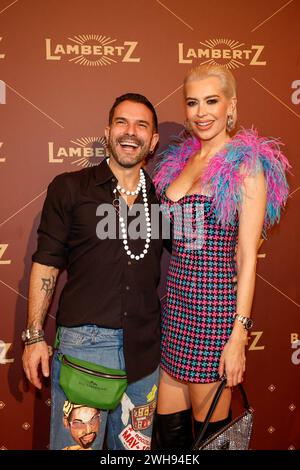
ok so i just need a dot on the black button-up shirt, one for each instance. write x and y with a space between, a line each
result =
105 286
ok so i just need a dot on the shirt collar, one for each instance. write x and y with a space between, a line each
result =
103 174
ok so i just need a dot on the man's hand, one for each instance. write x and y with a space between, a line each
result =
33 355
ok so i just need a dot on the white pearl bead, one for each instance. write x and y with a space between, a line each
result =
141 186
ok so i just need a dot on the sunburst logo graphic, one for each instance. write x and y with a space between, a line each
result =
226 52
96 44
229 62
88 151
97 147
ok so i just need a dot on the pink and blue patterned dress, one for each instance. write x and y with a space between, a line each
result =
201 299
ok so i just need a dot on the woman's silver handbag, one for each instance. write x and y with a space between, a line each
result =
235 435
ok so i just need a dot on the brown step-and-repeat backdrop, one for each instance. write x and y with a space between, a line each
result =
62 63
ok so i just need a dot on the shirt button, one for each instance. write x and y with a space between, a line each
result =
127 287
125 314
113 180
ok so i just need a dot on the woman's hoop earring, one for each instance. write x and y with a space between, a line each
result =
229 125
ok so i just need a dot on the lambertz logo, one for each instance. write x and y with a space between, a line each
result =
296 94
3 248
87 151
2 92
226 52
4 348
92 50
2 159
1 55
295 344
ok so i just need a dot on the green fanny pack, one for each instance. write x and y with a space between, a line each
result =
90 384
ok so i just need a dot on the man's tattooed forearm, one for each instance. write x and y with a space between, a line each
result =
48 285
38 320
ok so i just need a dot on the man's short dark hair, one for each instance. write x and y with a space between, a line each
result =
135 98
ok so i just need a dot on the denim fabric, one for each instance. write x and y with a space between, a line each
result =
129 426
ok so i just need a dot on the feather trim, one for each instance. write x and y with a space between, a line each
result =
173 160
245 155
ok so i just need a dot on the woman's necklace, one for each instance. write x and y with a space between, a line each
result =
141 185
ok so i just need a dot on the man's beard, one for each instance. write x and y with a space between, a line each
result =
128 162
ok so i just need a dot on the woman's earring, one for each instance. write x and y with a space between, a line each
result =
229 125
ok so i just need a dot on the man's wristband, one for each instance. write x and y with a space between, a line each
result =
34 340
30 333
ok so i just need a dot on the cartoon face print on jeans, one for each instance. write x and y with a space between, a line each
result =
83 423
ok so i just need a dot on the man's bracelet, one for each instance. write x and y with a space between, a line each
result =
34 340
31 333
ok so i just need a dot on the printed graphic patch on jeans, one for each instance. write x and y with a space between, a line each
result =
142 416
133 440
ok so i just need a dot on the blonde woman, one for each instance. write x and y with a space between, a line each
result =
230 189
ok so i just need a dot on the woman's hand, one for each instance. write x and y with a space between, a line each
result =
233 360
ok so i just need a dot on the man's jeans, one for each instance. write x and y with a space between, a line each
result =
77 427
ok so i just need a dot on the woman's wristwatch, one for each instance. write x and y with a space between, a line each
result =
246 321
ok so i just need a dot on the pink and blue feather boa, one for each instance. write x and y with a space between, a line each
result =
243 156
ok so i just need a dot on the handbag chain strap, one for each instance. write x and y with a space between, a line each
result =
213 407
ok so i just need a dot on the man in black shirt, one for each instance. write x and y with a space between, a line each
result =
109 310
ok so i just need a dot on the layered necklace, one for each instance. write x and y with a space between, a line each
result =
141 186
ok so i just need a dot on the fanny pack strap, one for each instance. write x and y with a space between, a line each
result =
57 338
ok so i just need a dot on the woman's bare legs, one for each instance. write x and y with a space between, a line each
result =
201 396
173 421
173 427
173 395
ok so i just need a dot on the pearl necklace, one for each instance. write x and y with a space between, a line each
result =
130 193
142 184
